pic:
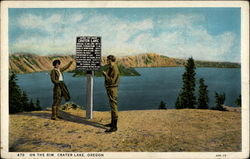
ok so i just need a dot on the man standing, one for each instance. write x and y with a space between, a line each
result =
60 90
111 83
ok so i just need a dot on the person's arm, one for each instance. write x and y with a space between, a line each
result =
113 75
104 73
66 67
53 77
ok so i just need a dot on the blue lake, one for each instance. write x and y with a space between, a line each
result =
136 92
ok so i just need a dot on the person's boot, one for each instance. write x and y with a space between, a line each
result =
115 124
110 124
53 116
113 128
57 113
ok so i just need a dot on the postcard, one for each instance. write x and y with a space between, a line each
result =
124 79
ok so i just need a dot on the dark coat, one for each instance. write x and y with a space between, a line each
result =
60 89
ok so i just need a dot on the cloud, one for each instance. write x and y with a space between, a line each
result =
77 17
175 36
29 21
185 20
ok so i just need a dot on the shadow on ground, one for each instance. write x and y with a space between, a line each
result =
66 117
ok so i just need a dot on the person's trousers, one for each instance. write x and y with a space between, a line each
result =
57 98
112 93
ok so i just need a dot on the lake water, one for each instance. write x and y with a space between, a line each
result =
136 92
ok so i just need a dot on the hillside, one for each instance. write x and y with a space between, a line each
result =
173 130
27 63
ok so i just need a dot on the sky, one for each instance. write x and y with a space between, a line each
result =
202 33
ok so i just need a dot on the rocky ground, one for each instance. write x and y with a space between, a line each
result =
186 130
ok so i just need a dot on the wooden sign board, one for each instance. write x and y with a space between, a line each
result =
88 53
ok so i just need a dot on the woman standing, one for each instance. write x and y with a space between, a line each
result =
60 89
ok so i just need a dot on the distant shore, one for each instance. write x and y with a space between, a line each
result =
25 63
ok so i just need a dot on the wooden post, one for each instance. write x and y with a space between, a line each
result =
89 108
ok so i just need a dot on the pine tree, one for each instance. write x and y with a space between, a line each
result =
238 101
15 94
178 103
25 101
220 99
38 107
18 99
31 106
187 98
203 95
162 105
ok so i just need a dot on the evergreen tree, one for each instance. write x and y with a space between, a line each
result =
187 98
162 105
31 106
203 95
25 101
18 99
178 103
238 101
38 107
220 99
15 94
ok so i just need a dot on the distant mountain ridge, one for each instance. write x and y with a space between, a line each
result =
27 63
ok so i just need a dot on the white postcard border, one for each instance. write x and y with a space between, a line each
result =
122 4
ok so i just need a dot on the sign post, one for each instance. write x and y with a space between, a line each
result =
88 58
89 92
